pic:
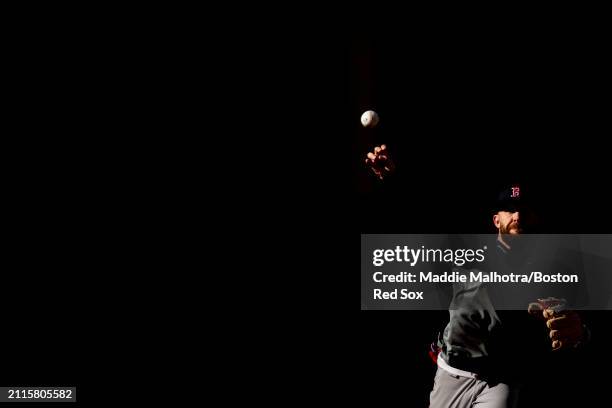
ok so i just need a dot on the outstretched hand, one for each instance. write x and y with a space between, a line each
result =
380 162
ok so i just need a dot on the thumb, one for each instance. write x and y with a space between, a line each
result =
536 310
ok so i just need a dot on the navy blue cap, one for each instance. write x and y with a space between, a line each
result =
511 198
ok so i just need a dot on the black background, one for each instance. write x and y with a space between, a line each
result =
462 121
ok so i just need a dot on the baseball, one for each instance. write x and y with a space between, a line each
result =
369 119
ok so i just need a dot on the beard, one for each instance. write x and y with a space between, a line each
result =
511 229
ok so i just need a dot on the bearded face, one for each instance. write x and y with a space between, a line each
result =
508 223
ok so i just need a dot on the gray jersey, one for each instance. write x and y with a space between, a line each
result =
478 338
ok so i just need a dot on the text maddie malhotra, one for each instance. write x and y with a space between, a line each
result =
488 277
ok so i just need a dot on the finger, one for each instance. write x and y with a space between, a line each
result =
371 156
555 335
556 323
563 344
383 147
536 310
377 150
550 313
567 335
563 321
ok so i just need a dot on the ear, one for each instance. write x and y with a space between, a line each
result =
496 220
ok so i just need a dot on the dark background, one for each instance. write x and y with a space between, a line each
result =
462 119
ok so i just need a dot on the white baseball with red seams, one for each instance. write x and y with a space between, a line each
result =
369 119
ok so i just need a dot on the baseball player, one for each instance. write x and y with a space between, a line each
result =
484 355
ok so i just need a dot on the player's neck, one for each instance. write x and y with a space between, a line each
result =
505 245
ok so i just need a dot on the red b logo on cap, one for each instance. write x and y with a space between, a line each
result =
516 192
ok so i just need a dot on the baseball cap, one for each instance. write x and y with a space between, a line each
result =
512 198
